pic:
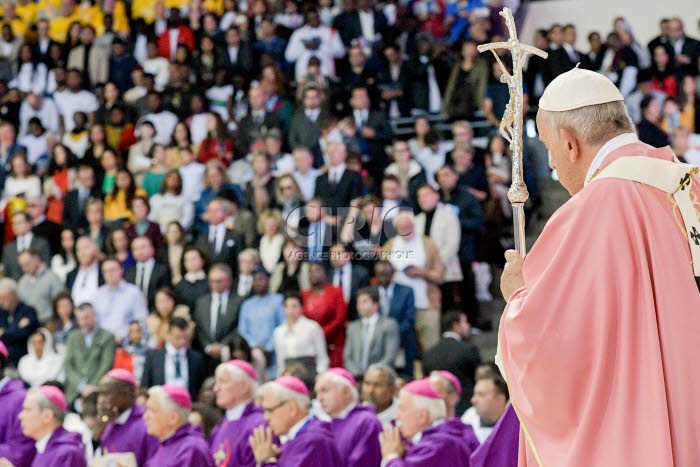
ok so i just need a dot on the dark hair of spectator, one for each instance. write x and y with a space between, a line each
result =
451 318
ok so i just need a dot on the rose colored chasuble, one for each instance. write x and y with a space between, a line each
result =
601 348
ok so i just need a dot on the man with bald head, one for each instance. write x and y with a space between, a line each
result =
632 208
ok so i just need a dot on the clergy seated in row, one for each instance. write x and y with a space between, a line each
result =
379 390
421 420
489 402
303 439
167 412
41 418
236 382
355 426
125 430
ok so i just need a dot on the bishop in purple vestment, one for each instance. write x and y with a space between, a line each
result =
355 427
41 418
14 446
181 444
228 441
450 390
421 417
126 428
501 447
306 441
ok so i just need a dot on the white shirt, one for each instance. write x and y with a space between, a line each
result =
245 282
173 35
615 143
294 430
216 236
331 47
69 103
344 273
168 207
48 114
218 301
86 284
336 173
41 444
143 275
116 308
368 326
192 176
123 417
233 54
24 241
236 412
360 117
307 182
367 25
304 339
164 123
169 369
160 68
388 415
36 147
472 418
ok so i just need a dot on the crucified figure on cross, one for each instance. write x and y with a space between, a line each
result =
511 127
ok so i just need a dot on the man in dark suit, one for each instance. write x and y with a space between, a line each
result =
256 122
17 321
350 277
304 130
455 354
148 275
43 42
393 83
686 50
349 24
216 314
316 233
237 53
221 244
24 238
427 71
397 302
75 201
174 363
338 186
41 226
662 39
373 130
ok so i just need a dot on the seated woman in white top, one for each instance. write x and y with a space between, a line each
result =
299 339
41 363
270 225
170 205
22 182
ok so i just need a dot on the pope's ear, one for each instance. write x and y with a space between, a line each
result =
571 144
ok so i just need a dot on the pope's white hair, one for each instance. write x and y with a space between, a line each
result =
238 375
167 404
594 124
283 394
435 407
341 382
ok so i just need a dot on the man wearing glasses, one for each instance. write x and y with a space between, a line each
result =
304 439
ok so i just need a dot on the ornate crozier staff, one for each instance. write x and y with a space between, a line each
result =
512 123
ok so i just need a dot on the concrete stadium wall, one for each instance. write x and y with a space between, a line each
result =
598 15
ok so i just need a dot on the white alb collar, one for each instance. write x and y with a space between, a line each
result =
615 143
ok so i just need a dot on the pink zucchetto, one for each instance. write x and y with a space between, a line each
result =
55 395
452 379
422 387
293 384
3 350
345 374
180 396
122 375
244 366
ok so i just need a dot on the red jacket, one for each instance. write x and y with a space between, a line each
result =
185 36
